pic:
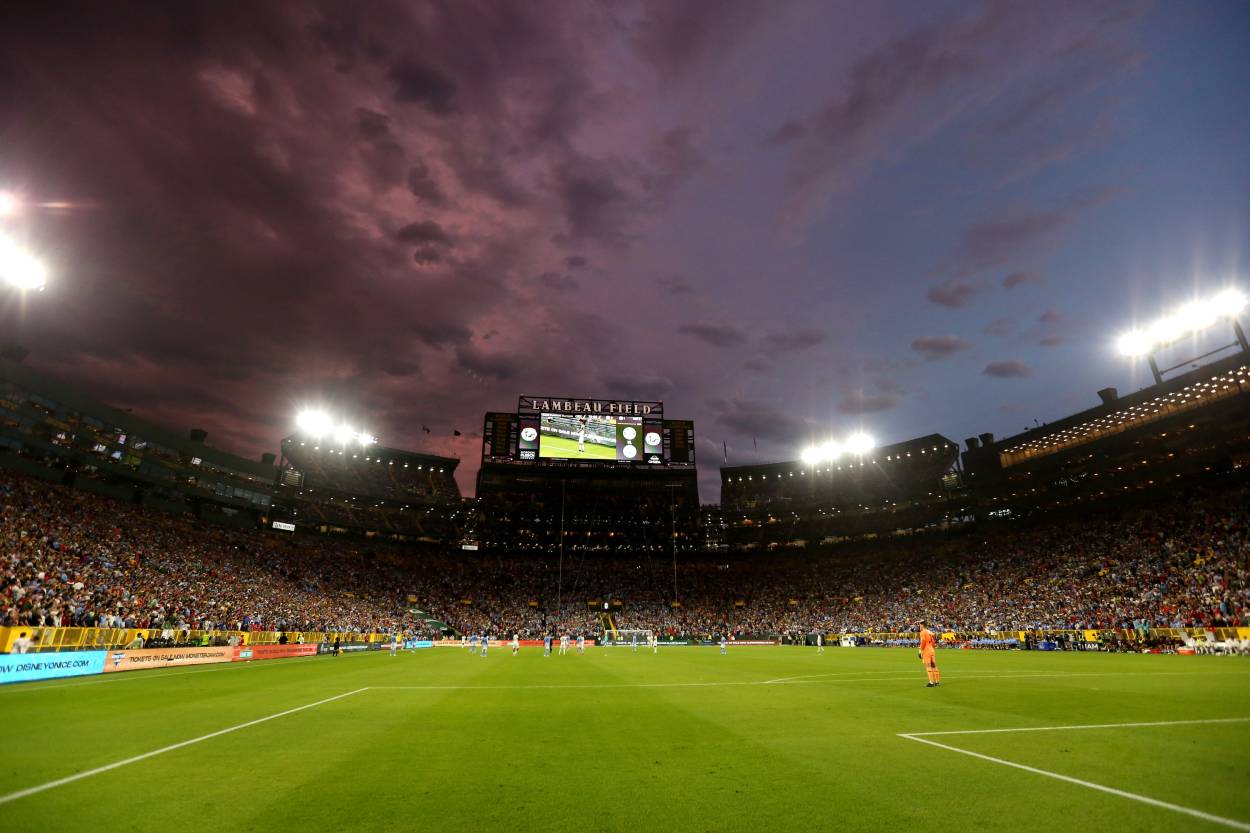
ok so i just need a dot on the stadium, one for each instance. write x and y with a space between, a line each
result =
261 571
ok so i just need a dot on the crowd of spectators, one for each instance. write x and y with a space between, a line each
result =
71 558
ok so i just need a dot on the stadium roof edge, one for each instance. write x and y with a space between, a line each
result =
926 441
1221 366
398 452
61 392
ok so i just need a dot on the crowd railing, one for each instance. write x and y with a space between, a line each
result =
87 639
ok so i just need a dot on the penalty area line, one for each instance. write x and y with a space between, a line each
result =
1143 799
78 776
1083 726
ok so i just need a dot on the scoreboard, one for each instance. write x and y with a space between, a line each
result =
562 431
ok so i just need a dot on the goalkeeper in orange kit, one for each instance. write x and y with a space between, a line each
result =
928 656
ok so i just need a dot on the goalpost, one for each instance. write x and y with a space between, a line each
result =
624 637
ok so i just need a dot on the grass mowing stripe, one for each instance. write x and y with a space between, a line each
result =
69 779
1085 726
1144 799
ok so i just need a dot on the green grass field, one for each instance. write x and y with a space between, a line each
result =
566 449
762 739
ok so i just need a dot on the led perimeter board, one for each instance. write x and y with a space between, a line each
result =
560 431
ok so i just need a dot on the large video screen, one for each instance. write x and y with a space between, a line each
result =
615 438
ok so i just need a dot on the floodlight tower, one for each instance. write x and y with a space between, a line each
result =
1188 320
20 269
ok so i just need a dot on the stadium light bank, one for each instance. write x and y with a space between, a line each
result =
858 444
1190 319
318 424
19 268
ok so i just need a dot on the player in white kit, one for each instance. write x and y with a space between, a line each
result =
515 643
633 642
581 435
564 644
581 644
655 643
820 643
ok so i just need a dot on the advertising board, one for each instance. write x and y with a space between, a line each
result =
143 658
21 668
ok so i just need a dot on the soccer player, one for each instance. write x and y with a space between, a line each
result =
724 644
485 643
633 642
564 644
547 645
928 656
394 644
516 644
581 435
820 643
473 644
464 640
581 644
655 643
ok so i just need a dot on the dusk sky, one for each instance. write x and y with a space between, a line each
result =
784 220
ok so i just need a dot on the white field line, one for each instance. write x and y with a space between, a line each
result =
78 776
1083 726
1144 799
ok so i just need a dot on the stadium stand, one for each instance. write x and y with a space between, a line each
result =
1161 558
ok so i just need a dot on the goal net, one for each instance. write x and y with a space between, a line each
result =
625 638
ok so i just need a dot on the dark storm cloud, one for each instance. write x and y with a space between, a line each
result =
423 231
955 294
500 367
639 387
423 185
371 124
558 282
760 420
939 347
675 285
419 83
716 334
1020 279
857 402
1007 370
794 341
597 205
678 38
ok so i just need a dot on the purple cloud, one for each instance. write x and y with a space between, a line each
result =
1020 279
955 294
715 334
858 402
939 347
794 341
1007 370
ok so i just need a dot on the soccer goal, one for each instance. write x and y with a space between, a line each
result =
625 638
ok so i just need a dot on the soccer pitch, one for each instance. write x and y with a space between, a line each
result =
759 740
553 446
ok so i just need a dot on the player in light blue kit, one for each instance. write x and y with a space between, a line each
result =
547 645
485 643
724 644
633 642
473 644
